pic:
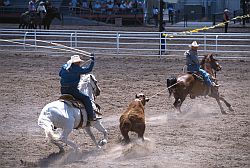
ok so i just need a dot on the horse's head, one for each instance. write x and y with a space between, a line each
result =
88 85
209 62
96 88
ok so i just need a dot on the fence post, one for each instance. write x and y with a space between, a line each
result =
216 43
35 39
76 39
117 43
234 16
165 44
160 43
205 42
213 19
24 40
71 37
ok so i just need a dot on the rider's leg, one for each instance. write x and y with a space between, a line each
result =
87 102
84 98
207 78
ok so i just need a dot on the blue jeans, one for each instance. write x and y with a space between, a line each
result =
203 73
80 96
206 77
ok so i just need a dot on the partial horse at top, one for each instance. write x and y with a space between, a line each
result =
31 20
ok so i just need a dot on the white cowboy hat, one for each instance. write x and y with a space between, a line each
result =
226 10
194 44
73 59
41 3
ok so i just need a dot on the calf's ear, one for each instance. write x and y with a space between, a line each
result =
146 99
136 96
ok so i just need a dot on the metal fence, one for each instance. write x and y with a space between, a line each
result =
125 43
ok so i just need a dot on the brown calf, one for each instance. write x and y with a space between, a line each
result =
133 119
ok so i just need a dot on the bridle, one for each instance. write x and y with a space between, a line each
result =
211 63
94 88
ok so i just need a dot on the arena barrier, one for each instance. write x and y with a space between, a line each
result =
231 45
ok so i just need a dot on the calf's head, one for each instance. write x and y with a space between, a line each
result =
142 98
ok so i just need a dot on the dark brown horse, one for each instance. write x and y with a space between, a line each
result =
193 85
32 20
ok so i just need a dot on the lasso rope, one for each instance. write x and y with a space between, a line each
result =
68 49
164 90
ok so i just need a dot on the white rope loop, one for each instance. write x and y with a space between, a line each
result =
68 49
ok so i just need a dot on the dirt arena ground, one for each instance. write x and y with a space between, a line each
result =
199 137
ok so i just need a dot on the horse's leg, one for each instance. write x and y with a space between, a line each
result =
219 103
178 102
65 133
90 133
227 104
98 125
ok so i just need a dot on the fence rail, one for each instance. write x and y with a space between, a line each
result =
126 43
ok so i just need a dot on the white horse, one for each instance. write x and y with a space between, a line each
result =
62 114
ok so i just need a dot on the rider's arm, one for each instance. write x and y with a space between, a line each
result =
86 69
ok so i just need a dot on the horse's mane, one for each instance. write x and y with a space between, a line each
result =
85 77
203 60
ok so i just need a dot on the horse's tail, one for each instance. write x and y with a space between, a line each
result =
45 122
171 83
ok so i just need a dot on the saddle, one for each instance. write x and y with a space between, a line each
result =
197 76
67 98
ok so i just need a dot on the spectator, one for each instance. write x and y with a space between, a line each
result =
32 6
123 7
103 8
41 9
48 5
97 7
73 5
6 3
171 14
90 5
135 6
226 19
110 7
155 15
84 4
116 8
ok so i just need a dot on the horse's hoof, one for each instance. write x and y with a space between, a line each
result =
102 142
231 109
223 112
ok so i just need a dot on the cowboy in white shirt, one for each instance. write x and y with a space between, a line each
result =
41 9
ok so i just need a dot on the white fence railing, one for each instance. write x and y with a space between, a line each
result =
126 43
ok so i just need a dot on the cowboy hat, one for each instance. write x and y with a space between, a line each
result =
226 10
73 59
194 44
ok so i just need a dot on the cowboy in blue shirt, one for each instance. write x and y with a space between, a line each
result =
193 64
70 74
